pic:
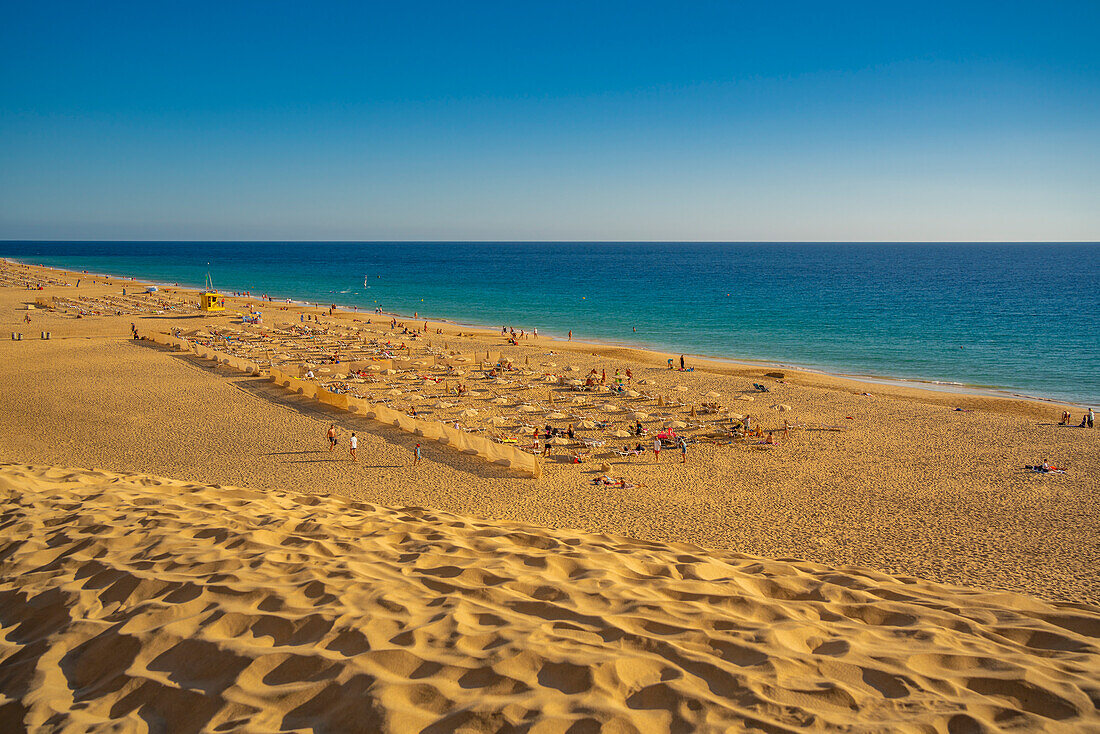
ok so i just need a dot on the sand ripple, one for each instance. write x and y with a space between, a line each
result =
133 602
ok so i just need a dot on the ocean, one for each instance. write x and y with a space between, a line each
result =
1016 317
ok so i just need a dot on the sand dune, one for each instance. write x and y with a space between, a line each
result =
133 602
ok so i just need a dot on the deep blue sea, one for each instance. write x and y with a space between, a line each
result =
1018 317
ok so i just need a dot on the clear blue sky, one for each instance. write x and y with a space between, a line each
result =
558 120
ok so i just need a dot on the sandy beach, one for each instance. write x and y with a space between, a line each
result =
157 604
887 564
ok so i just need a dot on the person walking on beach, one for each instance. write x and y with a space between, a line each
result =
331 437
683 450
681 363
416 458
1091 417
353 444
570 335
657 449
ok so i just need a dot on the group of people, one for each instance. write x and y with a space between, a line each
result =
1086 420
513 336
353 444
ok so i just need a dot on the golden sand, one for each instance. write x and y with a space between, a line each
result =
152 603
907 485
399 619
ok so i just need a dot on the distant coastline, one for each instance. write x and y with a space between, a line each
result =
939 386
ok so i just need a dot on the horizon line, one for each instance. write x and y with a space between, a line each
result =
580 241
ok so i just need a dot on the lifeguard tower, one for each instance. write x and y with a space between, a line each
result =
209 300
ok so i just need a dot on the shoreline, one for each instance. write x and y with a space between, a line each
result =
887 477
934 387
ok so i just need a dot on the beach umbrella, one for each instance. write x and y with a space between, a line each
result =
417 398
634 393
559 441
395 391
587 425
621 434
681 388
713 394
458 373
675 424
496 420
781 407
469 412
746 398
374 368
443 405
498 401
548 364
610 408
639 415
557 416
551 378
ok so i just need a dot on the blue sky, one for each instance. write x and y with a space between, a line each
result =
546 121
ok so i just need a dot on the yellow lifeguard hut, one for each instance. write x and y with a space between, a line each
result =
209 299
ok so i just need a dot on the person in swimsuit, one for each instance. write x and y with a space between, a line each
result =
353 444
331 437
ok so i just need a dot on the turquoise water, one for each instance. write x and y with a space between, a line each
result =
1018 317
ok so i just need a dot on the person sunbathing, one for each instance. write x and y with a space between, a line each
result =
1045 468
